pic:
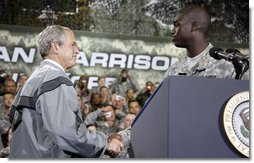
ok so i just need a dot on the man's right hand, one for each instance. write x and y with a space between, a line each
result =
115 145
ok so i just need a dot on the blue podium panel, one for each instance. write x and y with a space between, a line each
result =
183 119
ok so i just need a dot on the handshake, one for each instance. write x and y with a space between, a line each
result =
114 146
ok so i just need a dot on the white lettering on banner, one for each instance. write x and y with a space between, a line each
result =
159 63
4 54
99 58
139 62
130 61
142 62
109 81
110 60
18 51
93 81
117 59
82 59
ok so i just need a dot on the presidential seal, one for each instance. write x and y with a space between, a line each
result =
236 120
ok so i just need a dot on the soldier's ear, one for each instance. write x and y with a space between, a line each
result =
195 26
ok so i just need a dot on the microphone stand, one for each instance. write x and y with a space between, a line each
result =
241 66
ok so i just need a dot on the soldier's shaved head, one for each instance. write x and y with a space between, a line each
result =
199 15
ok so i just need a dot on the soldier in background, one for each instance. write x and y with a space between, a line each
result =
123 83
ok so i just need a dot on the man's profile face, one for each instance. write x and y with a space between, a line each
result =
68 50
181 31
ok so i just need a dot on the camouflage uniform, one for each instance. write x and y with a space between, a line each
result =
119 120
5 152
4 123
120 88
206 67
246 75
4 128
126 137
95 118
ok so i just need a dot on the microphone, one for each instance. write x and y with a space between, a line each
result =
236 53
229 54
240 62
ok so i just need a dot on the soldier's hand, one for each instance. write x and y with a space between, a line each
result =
115 145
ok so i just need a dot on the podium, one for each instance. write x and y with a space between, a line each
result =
183 119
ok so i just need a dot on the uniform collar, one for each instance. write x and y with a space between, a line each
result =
54 63
201 64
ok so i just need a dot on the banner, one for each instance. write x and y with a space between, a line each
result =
146 58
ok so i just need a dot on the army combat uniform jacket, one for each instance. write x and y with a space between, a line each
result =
47 121
4 128
205 67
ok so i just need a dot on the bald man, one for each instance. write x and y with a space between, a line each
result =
191 26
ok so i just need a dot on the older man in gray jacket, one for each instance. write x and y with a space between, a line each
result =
47 121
